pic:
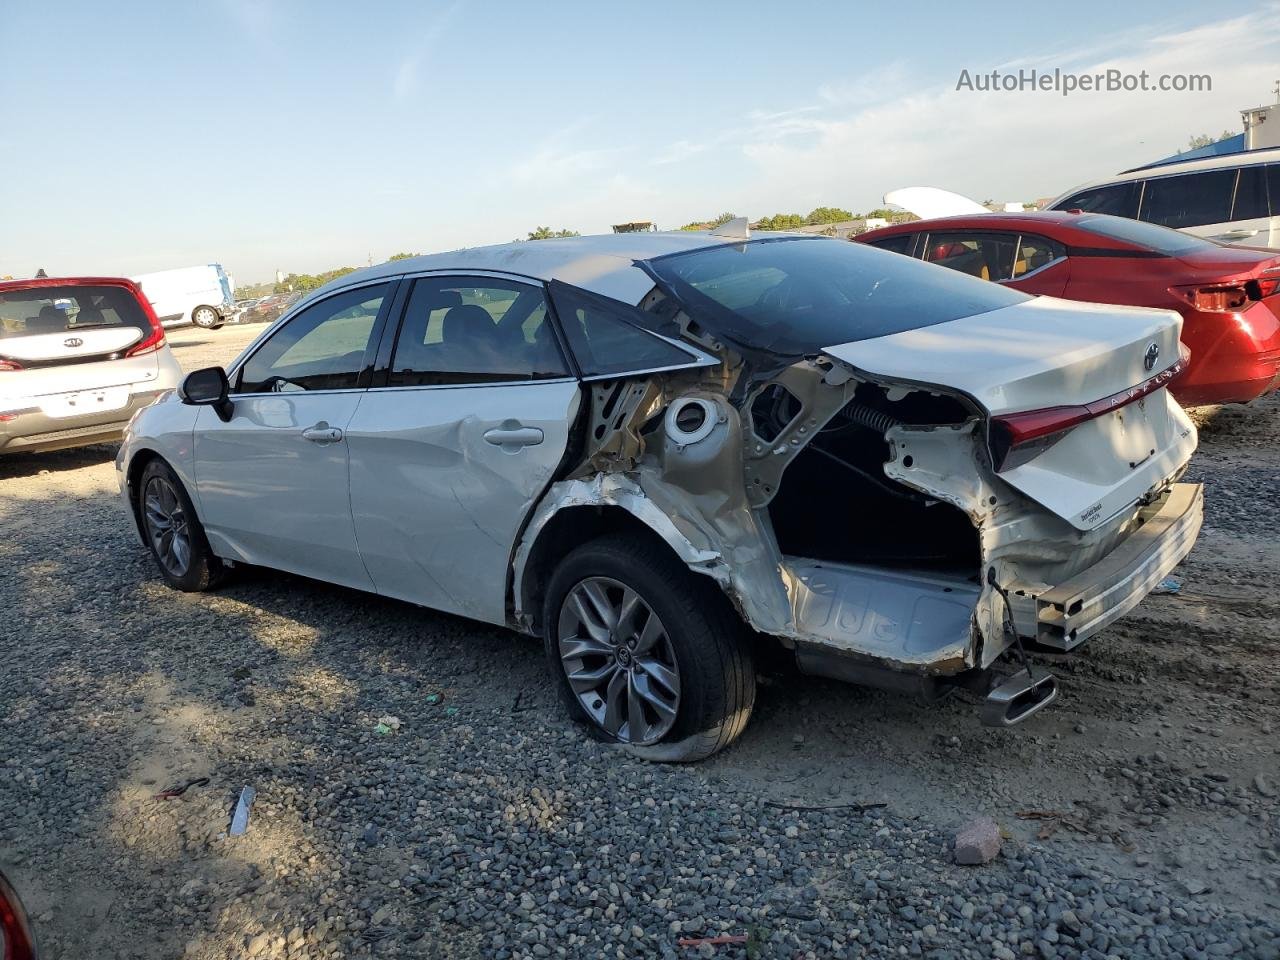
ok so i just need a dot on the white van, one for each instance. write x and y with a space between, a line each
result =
1233 198
199 295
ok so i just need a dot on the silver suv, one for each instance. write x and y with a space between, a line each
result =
78 357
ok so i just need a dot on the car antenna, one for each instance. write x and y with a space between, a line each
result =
739 228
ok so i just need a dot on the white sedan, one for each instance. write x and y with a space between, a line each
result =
649 449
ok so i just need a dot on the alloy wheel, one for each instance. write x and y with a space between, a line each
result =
619 660
166 524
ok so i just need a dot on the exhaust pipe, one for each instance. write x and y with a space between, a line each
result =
1020 696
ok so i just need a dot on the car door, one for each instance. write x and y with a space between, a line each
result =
454 444
272 479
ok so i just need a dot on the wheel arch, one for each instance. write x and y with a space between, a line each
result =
576 512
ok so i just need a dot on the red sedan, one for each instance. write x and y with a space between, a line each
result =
1229 296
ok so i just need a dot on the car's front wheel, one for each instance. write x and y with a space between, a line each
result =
206 317
173 531
647 653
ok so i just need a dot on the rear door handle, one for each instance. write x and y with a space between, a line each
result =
322 433
513 438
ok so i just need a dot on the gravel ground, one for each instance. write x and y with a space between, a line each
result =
1140 815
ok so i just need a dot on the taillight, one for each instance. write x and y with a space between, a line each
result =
155 339
1263 287
9 364
1016 438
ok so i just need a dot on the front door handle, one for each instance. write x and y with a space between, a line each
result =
322 433
513 438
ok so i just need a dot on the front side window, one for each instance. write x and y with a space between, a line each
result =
322 348
796 296
1116 199
1035 252
1190 200
987 256
459 330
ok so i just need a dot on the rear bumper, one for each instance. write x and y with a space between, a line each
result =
32 431
1066 615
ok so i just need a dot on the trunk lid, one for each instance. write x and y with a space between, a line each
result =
1084 383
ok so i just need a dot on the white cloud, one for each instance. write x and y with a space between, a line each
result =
1014 145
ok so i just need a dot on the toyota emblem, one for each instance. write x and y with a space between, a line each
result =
77 342
1151 356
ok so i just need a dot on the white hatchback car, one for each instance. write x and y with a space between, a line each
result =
78 357
643 447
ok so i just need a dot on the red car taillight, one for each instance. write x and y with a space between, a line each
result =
9 364
155 339
1263 287
1016 438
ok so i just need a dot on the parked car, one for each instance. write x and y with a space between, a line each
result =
198 295
637 445
1233 198
269 308
1227 296
78 357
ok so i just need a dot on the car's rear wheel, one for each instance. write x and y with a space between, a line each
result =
647 653
206 317
173 531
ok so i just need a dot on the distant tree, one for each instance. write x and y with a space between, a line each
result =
546 233
883 213
828 215
1204 140
719 221
781 221
402 256
305 282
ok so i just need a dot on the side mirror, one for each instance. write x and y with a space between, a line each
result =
207 388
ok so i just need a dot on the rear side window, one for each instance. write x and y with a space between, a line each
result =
1251 195
987 256
322 348
1035 252
1117 199
902 243
606 339
1273 187
819 293
459 330
1189 200
68 310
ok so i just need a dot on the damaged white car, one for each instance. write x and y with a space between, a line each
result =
658 451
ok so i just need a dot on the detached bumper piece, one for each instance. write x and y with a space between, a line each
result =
1075 610
1018 697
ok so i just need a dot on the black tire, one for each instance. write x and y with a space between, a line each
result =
716 673
206 318
201 570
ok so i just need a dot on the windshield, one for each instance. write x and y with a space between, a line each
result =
65 309
797 295
1170 242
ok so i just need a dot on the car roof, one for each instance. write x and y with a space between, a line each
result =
34 283
978 221
1225 161
603 264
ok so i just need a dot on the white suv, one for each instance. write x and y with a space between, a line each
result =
78 357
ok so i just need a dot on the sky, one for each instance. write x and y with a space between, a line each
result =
299 136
